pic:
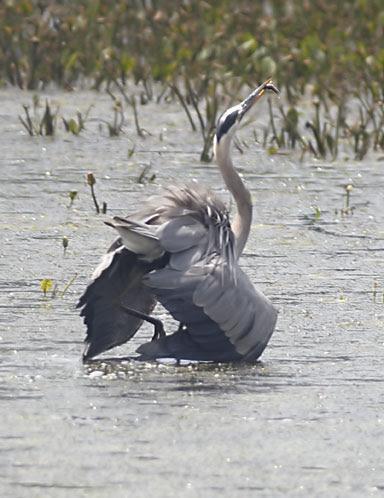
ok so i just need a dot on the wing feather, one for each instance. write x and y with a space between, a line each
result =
181 233
185 259
117 282
222 309
247 303
225 317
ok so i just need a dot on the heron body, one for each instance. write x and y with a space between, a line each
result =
182 251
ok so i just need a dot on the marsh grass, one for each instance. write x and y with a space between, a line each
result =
34 123
145 176
131 101
203 54
200 102
355 131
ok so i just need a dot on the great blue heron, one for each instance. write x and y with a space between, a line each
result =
182 251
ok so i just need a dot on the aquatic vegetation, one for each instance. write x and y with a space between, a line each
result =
72 126
205 109
131 101
145 177
288 135
312 217
131 151
72 196
347 209
68 284
91 180
317 212
326 132
76 125
36 124
348 190
46 285
65 242
115 127
202 54
323 139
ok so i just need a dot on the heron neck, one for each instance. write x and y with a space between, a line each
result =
241 224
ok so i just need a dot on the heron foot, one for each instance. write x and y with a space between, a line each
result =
159 330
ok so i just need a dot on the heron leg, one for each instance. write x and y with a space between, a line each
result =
158 324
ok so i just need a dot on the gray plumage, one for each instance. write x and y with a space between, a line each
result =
182 251
117 282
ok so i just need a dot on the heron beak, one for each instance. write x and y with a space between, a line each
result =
255 95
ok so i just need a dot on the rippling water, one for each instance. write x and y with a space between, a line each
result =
307 420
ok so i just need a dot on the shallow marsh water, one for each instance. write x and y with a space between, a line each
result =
308 420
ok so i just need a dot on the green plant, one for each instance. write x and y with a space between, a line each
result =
36 124
76 125
91 180
144 176
72 196
202 54
46 285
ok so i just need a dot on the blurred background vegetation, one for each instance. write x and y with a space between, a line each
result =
199 51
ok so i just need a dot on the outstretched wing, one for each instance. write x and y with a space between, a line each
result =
225 318
116 282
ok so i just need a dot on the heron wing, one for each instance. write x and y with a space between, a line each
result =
243 313
117 282
225 318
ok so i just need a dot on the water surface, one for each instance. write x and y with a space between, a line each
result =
305 421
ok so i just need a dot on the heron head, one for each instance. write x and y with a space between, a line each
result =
229 120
